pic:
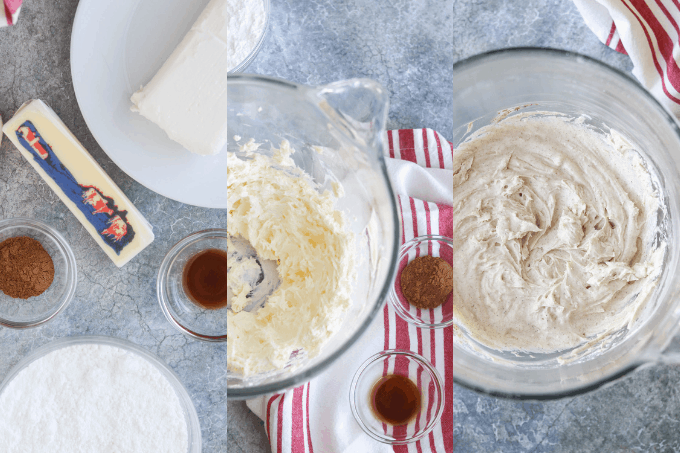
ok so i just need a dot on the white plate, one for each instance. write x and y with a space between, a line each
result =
116 47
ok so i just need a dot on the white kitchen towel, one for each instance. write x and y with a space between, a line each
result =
647 31
316 417
410 179
10 12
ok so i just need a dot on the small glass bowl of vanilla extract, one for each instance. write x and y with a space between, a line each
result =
397 397
192 285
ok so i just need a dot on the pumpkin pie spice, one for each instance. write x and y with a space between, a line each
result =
427 281
26 269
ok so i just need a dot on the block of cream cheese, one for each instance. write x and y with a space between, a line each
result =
91 195
187 97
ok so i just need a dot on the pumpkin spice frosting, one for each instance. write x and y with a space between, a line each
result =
554 227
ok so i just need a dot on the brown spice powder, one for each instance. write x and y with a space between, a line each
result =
26 269
427 282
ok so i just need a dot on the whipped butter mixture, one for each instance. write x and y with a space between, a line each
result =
277 209
554 230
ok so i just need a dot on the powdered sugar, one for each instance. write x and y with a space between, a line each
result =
246 24
91 398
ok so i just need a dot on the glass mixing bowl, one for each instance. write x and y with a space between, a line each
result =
337 131
551 80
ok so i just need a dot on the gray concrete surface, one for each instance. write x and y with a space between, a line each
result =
34 63
403 44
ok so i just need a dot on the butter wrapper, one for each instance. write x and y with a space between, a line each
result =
89 193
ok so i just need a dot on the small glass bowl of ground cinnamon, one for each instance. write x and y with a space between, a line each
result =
38 273
422 293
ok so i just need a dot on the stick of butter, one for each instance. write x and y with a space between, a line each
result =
187 97
91 195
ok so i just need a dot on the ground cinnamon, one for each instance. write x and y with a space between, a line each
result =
26 269
427 281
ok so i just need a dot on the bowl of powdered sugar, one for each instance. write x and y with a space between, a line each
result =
89 394
247 23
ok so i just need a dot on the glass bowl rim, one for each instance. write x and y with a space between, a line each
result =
382 355
239 68
565 55
248 392
161 281
71 269
188 408
394 300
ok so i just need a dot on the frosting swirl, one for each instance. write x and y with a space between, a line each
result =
554 227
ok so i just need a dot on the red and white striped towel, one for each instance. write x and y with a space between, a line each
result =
646 30
316 417
10 13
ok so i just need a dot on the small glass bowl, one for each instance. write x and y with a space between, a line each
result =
185 315
194 444
253 53
34 311
404 363
442 316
